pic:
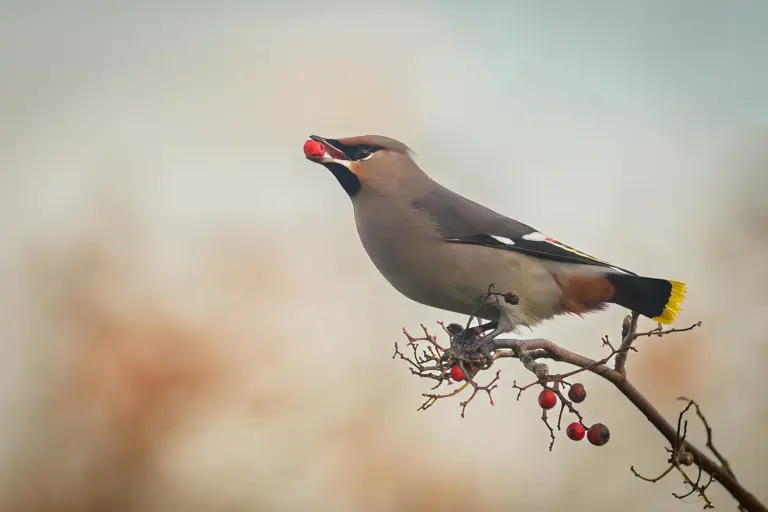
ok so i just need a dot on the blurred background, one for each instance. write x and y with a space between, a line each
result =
189 322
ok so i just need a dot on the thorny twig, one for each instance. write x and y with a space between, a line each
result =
680 455
435 363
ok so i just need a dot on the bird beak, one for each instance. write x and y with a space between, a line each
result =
327 152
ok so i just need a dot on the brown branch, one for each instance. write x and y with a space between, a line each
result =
719 472
629 328
437 361
615 352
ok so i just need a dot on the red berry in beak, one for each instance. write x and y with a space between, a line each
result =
313 149
577 393
598 434
575 431
547 399
456 373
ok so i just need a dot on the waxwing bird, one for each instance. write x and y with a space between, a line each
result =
443 250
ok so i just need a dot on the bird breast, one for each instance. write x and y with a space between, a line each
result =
409 252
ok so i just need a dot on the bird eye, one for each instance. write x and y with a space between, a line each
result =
363 154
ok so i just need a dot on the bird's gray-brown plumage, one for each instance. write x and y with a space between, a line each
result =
444 250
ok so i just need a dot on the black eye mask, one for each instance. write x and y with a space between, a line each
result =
356 152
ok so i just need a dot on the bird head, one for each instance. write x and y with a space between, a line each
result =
358 162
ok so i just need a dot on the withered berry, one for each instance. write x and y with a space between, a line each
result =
577 393
598 434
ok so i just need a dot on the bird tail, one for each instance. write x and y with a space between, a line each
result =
657 299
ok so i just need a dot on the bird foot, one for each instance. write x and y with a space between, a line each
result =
471 342
462 336
484 345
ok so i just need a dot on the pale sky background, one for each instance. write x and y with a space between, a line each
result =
189 322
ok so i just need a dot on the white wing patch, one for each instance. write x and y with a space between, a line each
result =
503 239
535 237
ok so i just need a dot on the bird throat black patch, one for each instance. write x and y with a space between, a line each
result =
347 179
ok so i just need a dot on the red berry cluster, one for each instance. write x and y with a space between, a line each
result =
598 434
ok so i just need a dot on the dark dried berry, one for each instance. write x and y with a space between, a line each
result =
598 434
577 393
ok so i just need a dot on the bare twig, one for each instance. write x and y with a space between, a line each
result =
629 328
488 388
565 403
549 427
541 370
431 399
726 465
652 480
435 362
659 332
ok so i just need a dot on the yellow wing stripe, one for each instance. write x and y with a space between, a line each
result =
575 251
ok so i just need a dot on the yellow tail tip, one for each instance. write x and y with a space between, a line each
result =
672 308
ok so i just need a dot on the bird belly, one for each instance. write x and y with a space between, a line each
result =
524 291
458 278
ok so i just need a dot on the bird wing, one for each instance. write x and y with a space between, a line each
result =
461 220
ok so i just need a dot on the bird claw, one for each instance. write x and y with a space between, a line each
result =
485 351
484 345
469 343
